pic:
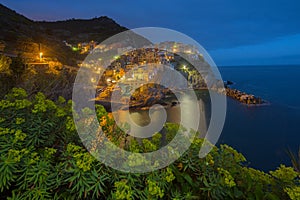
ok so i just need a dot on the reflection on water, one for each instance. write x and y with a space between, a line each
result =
185 111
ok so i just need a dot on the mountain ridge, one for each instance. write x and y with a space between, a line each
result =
21 35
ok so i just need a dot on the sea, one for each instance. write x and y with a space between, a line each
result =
263 134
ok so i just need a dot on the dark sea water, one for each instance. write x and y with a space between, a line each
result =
261 133
264 133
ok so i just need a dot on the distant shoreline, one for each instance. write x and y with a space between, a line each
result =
268 65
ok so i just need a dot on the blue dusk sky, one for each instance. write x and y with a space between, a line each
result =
234 32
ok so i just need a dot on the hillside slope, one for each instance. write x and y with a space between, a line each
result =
20 35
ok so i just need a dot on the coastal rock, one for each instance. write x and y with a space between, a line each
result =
242 97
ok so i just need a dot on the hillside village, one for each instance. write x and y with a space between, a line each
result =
58 49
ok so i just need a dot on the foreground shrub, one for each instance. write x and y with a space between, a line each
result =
41 157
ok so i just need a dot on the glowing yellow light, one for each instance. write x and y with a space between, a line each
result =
41 55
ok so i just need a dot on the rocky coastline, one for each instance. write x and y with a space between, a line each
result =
158 96
244 98
141 99
147 97
150 96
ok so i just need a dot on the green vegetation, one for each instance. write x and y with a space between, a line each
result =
41 157
53 80
11 70
295 158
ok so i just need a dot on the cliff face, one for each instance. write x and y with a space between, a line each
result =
22 35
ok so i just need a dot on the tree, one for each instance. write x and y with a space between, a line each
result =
6 80
17 67
5 65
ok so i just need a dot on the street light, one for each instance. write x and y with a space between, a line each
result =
41 56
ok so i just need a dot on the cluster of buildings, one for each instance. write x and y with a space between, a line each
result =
141 66
134 67
177 47
169 46
83 47
138 66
